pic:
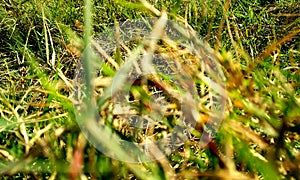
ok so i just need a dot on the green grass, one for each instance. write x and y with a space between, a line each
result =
257 45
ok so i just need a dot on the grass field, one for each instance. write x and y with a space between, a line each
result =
256 46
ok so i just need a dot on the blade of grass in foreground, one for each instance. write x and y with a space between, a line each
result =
87 116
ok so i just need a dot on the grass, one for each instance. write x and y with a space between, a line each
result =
257 45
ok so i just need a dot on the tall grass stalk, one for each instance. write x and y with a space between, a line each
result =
107 139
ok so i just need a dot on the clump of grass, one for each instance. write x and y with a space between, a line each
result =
256 45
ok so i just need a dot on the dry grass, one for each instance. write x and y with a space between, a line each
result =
255 45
